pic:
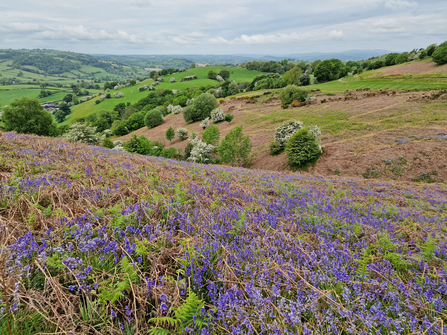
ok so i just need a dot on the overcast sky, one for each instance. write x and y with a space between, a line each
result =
221 26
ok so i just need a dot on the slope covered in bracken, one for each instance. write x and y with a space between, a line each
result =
95 241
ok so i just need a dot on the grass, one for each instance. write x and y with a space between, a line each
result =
88 108
377 80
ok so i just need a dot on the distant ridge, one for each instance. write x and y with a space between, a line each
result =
353 55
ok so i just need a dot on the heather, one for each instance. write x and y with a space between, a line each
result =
97 241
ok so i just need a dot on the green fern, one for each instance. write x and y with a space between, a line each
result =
183 317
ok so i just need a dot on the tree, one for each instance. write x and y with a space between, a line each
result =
431 49
193 65
27 116
293 92
63 111
324 71
211 135
135 121
440 55
305 79
302 148
235 148
212 74
402 58
170 133
153 118
391 59
292 77
201 108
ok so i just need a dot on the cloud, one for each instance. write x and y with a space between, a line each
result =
140 3
399 4
336 35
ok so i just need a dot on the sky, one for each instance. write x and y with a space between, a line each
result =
222 26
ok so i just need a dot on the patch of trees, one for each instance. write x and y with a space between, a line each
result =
45 63
271 66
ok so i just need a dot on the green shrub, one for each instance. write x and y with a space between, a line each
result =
107 144
172 153
170 133
302 148
440 55
141 145
153 118
135 121
120 130
275 148
211 135
187 113
187 152
229 117
201 108
293 92
285 131
235 148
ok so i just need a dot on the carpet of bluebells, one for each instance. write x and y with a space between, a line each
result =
95 241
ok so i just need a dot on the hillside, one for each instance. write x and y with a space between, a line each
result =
98 241
132 95
391 134
417 75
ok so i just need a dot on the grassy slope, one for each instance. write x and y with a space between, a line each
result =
85 109
379 80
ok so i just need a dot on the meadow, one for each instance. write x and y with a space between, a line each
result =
97 241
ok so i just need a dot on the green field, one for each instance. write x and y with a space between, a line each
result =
7 96
85 109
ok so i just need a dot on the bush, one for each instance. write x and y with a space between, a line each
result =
181 133
107 144
141 145
302 148
120 130
172 153
135 121
82 132
211 135
293 92
285 131
235 148
187 152
205 123
305 79
440 55
201 108
201 152
153 118
177 109
217 115
229 117
275 148
170 133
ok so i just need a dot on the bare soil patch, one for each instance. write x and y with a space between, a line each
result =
396 135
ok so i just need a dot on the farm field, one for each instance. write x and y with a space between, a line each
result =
94 240
85 109
385 135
